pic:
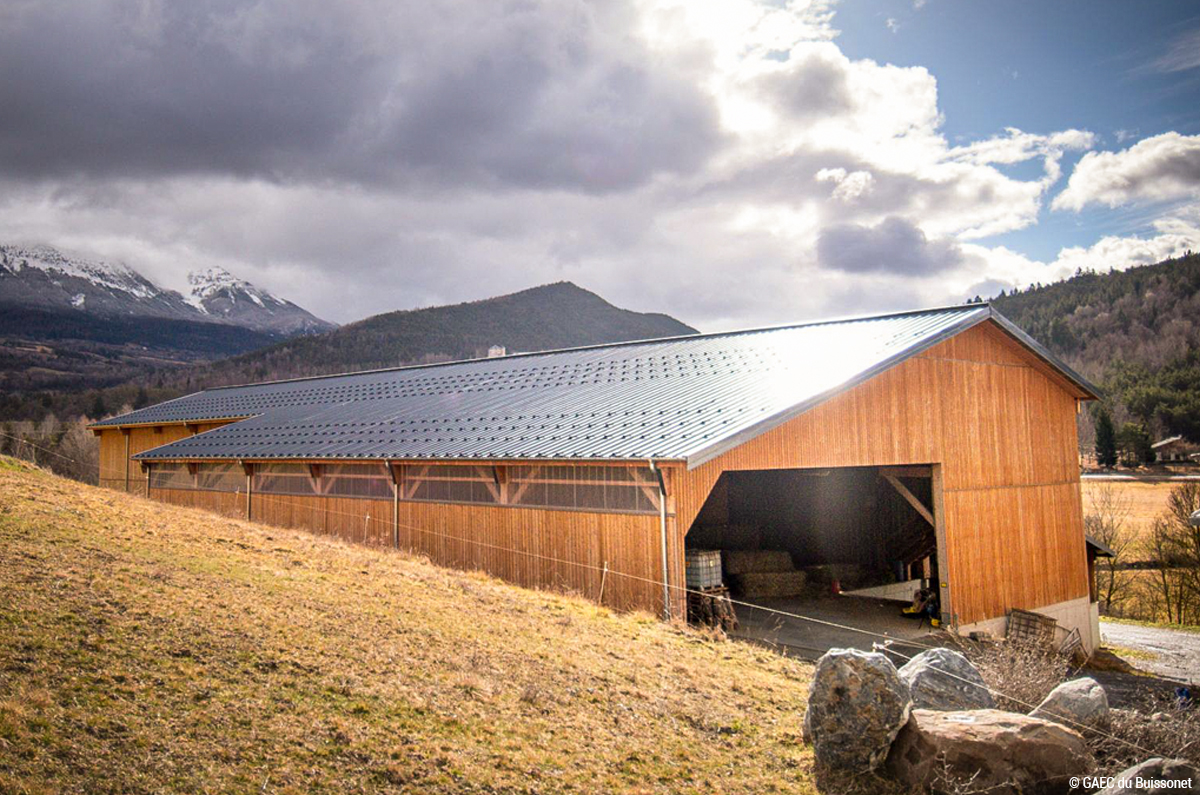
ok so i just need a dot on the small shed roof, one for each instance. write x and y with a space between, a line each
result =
685 398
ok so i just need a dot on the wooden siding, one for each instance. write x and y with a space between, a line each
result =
533 547
998 421
1002 427
114 466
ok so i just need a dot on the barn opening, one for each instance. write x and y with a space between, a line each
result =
849 545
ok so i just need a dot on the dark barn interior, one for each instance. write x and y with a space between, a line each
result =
809 539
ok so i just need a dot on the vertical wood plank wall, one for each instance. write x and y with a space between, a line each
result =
114 464
532 547
545 544
1002 425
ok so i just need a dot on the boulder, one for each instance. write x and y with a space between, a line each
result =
1001 753
944 679
857 704
1077 703
1183 776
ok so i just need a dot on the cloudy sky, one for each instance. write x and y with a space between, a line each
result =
730 162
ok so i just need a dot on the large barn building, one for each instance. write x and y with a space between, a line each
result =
939 442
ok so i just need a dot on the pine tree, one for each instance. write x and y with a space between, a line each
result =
1106 439
98 409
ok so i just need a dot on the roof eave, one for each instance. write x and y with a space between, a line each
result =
719 447
1090 391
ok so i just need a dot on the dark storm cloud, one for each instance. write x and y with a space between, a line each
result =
895 246
516 94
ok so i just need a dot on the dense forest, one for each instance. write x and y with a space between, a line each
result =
1135 333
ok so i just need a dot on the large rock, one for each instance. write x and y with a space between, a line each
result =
857 704
1077 703
1176 771
945 680
1001 753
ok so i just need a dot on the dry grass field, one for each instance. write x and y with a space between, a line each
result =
1146 500
152 649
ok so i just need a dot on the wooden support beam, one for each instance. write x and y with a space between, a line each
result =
249 470
125 432
949 617
908 471
911 498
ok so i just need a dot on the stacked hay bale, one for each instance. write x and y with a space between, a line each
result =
758 574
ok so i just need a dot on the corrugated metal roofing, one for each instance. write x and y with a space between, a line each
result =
684 398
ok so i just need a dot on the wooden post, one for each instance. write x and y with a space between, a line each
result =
662 518
249 470
125 433
397 473
948 616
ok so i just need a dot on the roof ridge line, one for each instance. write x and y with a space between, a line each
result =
618 344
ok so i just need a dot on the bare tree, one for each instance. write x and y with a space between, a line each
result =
1107 521
1175 551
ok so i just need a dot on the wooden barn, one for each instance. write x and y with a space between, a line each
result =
935 444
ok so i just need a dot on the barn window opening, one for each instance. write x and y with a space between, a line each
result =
437 483
171 476
220 477
585 488
356 481
293 479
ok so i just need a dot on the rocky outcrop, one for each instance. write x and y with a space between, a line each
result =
944 679
1138 780
996 752
857 704
1078 703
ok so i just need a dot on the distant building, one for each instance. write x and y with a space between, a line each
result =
497 350
1176 449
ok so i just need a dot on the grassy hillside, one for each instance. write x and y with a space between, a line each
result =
1135 332
145 648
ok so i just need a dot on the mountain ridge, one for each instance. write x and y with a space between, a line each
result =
43 276
558 315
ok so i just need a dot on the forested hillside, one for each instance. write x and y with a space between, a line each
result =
558 315
1136 333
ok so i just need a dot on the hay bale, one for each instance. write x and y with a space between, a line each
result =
761 584
737 561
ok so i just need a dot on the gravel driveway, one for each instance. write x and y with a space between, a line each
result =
1176 654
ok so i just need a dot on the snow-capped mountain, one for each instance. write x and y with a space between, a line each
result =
219 294
41 277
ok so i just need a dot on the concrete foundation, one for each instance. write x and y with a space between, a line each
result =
1082 614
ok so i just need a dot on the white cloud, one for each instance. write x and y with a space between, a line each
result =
1182 54
847 186
725 162
1160 168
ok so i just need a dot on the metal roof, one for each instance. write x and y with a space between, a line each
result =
684 398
